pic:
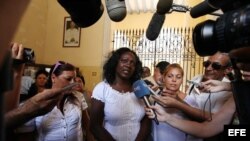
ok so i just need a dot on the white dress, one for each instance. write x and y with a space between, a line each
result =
54 126
123 112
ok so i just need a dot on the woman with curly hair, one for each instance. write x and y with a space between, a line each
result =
116 113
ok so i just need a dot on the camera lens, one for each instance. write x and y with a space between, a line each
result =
230 31
204 38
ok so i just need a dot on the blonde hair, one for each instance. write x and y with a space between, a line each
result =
171 66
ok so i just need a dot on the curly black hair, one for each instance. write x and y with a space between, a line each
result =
109 68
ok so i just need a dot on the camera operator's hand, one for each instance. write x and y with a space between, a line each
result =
12 97
17 51
215 86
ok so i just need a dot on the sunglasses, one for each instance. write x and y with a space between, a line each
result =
58 63
215 65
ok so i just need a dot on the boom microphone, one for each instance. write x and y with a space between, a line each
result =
141 91
202 9
83 13
155 25
116 9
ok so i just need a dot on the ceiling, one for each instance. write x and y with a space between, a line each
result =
144 6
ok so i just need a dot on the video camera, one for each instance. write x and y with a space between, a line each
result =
230 31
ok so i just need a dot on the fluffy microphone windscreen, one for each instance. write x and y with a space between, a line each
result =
140 89
155 26
116 9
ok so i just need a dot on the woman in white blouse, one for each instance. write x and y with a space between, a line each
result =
116 113
69 118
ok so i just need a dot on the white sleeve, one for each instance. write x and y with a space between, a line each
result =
82 100
99 91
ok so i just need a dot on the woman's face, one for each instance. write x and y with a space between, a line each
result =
63 79
126 65
41 80
80 86
173 79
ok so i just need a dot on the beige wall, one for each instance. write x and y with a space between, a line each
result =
32 29
42 26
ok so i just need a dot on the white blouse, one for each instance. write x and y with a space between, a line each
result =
123 112
54 126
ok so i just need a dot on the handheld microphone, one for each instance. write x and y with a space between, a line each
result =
141 91
155 25
202 9
116 9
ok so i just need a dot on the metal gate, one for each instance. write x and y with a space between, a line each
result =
173 45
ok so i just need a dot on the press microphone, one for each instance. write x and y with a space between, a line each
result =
202 9
155 25
141 91
83 13
116 9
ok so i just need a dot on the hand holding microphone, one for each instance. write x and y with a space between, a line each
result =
141 91
155 25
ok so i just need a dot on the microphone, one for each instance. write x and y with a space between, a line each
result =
141 91
83 13
116 9
155 25
202 9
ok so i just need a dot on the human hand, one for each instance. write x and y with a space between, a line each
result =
17 51
166 101
215 86
161 114
45 101
170 93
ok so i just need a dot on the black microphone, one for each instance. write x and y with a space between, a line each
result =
202 9
141 91
155 25
116 9
83 13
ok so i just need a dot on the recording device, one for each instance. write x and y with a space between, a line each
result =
148 82
84 13
230 31
155 25
202 9
28 55
141 91
151 84
194 83
116 9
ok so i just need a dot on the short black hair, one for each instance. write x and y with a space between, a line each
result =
162 66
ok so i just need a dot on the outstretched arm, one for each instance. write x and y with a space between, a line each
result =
37 105
204 129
